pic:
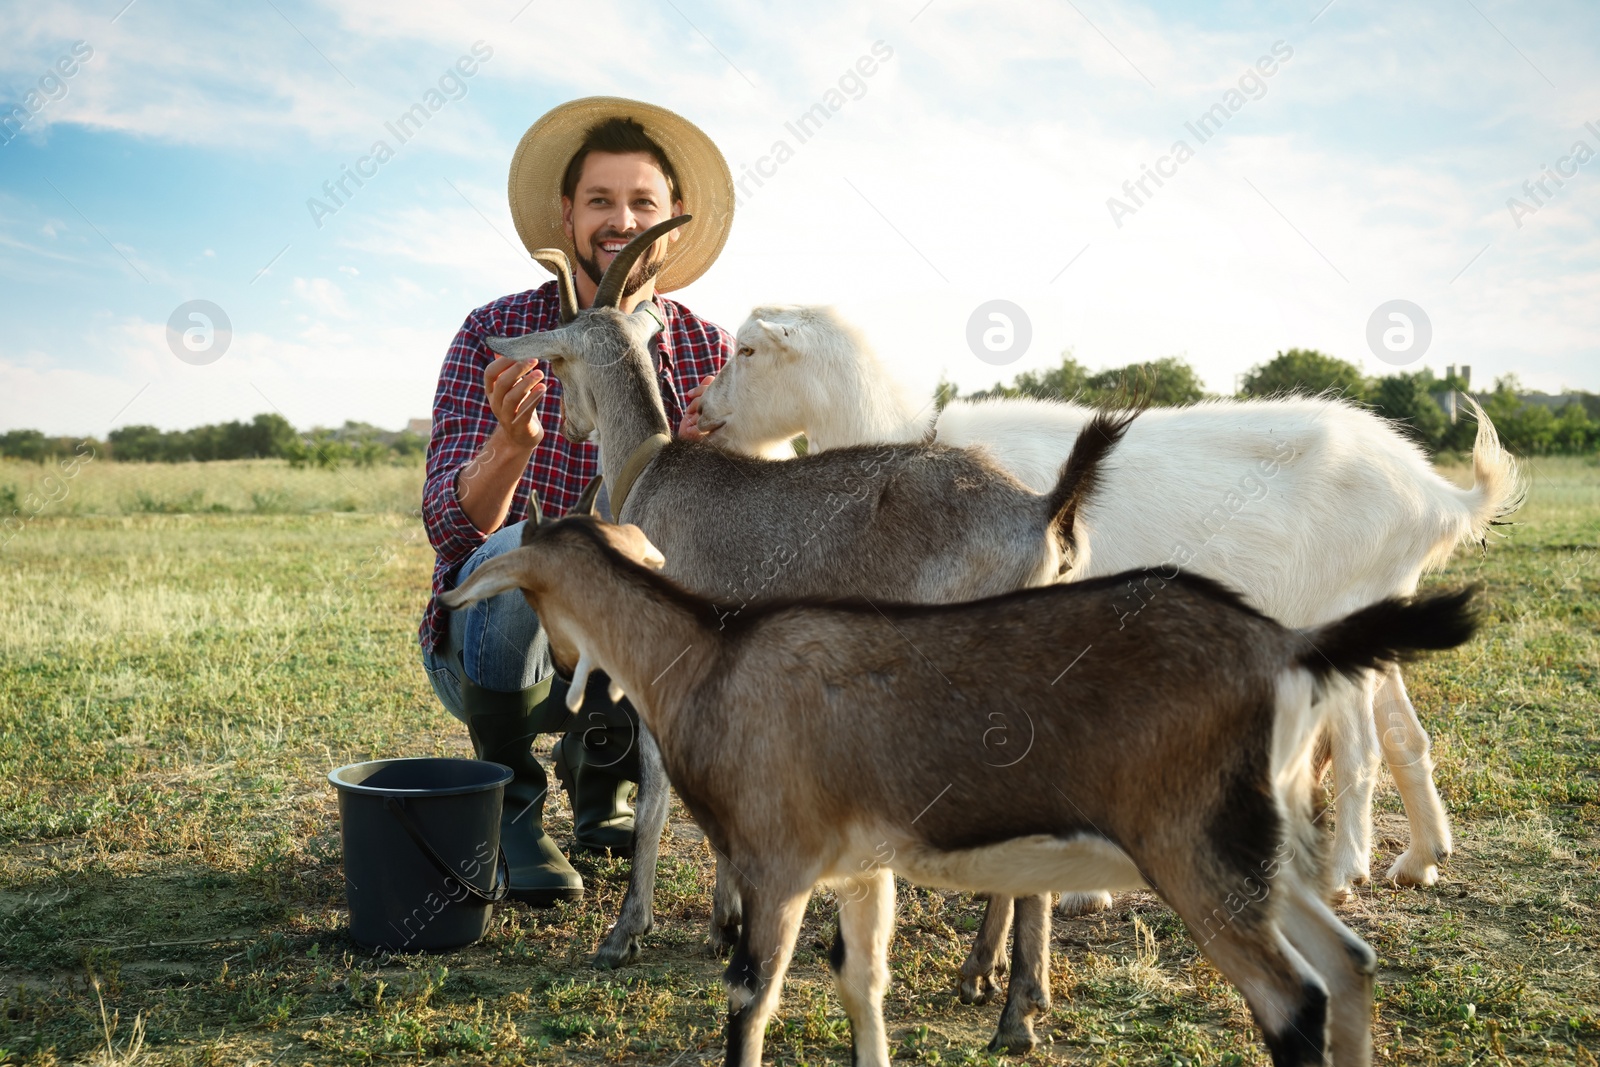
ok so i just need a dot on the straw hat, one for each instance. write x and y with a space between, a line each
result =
704 182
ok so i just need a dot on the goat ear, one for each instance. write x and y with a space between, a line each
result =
529 346
775 330
499 575
586 502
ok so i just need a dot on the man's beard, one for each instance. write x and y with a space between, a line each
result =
644 271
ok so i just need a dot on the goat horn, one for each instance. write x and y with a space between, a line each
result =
586 502
555 261
616 276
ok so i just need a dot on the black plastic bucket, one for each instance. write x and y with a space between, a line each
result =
422 861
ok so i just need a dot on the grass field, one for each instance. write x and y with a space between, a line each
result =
89 485
176 681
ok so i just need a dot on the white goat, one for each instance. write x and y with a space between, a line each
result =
1310 507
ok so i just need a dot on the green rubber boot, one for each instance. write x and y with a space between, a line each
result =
503 726
597 762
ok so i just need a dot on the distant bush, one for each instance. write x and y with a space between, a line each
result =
357 444
264 437
35 447
1535 429
188 504
1165 382
1407 400
1413 400
1306 371
267 436
1525 426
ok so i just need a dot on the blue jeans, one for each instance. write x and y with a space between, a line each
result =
499 641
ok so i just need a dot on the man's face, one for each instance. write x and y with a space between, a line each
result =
617 197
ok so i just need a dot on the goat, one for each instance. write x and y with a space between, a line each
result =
1309 507
813 742
899 522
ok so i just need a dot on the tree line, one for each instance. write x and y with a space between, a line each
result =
268 436
1414 400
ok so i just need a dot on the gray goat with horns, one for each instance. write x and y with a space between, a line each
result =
909 523
787 733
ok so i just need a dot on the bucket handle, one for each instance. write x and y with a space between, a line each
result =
502 872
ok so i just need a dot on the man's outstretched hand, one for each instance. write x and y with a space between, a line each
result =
514 389
689 428
485 485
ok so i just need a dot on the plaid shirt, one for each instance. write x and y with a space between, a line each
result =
689 349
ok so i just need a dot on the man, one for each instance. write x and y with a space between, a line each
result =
587 176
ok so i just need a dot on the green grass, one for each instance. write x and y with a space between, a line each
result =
175 686
90 485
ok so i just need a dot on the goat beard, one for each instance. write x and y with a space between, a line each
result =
644 271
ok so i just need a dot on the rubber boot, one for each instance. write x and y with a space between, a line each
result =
597 762
503 726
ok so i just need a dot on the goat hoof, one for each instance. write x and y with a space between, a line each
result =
1075 904
978 988
612 956
621 947
1016 1043
1413 869
723 938
1350 874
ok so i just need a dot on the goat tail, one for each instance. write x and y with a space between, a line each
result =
1498 488
1387 632
1080 474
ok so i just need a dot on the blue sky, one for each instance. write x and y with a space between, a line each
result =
976 163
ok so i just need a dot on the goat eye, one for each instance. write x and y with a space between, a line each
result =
746 350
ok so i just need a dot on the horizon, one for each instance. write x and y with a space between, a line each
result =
1478 391
1136 180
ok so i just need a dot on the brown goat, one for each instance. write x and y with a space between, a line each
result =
814 742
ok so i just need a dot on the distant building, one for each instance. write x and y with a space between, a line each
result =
1450 400
420 427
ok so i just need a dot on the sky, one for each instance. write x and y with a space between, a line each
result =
1357 153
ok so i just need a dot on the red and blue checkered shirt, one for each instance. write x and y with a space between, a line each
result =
690 349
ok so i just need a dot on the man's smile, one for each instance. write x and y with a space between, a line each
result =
608 247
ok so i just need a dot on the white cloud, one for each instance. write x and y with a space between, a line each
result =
322 375
248 78
323 296
987 146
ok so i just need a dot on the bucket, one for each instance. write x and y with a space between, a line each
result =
422 861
